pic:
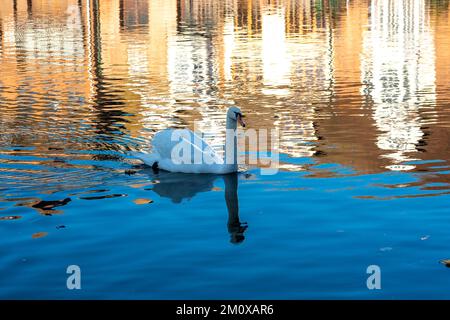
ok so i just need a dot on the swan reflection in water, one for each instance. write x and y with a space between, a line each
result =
179 186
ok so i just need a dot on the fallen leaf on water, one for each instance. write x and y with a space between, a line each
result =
10 218
216 189
139 185
445 262
39 235
142 201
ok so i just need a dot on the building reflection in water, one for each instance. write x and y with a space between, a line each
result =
398 67
42 74
321 72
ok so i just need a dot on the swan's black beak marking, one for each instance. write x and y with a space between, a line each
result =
240 120
155 167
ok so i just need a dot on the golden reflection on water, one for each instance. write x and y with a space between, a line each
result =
361 83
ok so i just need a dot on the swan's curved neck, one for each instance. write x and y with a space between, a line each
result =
231 146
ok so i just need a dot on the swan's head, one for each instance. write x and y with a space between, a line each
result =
235 114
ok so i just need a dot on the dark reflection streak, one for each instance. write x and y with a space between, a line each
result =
30 8
1 36
83 27
439 7
242 15
103 98
311 15
178 16
121 14
97 61
96 43
15 15
319 15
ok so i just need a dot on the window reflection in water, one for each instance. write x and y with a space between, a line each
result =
399 70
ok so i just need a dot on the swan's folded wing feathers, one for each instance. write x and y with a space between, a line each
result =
165 141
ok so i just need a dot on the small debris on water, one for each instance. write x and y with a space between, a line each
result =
39 235
143 201
10 218
445 262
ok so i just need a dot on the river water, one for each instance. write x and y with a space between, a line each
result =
358 90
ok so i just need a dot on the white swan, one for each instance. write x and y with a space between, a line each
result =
181 150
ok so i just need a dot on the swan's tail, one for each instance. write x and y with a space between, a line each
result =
148 158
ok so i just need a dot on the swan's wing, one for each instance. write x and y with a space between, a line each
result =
208 153
165 142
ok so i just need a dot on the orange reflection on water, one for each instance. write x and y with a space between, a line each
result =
361 83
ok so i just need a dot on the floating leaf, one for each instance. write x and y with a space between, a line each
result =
39 235
445 262
142 201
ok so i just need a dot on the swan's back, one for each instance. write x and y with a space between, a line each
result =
183 139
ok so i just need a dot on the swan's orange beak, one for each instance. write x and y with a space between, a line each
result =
240 120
